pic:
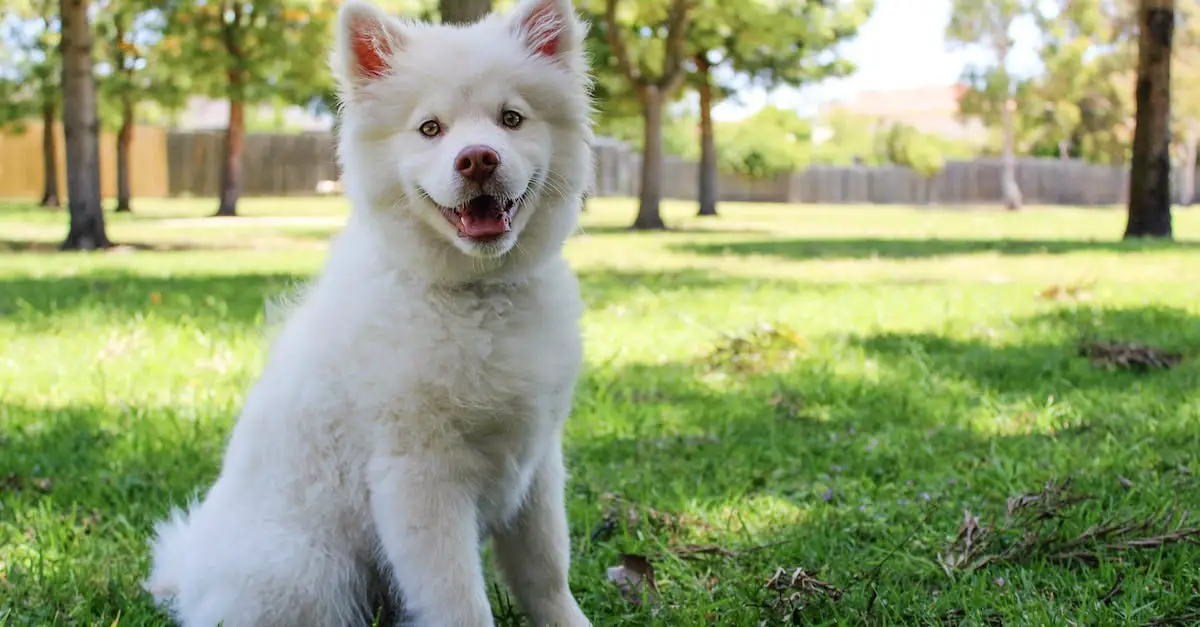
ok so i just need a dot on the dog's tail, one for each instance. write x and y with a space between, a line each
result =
168 555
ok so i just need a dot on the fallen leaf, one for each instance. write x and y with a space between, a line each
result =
14 482
635 577
800 581
1129 356
1073 291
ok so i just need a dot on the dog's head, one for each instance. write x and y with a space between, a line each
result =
470 143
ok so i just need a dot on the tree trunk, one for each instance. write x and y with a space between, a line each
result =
231 172
49 156
1008 182
1064 149
124 140
463 11
1150 170
1187 174
81 128
708 148
648 216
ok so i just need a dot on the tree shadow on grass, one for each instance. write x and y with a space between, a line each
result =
1047 360
240 298
584 231
901 248
602 287
234 298
30 246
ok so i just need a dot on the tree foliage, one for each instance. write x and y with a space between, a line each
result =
768 143
1082 98
252 50
32 70
136 61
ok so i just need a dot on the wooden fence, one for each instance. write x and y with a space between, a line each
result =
283 165
22 174
273 165
189 164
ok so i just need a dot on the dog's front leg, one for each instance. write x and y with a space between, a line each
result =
427 524
533 550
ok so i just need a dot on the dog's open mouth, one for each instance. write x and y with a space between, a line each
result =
484 217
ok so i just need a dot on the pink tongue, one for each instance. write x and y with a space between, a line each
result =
483 224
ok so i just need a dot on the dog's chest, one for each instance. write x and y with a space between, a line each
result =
498 354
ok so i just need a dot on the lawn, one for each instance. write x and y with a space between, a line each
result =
841 390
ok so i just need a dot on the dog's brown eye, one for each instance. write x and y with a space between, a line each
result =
511 119
431 128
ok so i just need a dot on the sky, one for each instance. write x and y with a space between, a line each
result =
902 45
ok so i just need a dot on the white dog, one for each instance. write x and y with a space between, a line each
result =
413 403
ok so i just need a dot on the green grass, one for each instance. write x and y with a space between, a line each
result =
929 378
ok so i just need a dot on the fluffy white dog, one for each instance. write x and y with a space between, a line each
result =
413 402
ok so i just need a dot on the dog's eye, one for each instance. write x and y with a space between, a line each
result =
431 128
511 119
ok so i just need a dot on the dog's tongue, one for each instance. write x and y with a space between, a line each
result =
483 217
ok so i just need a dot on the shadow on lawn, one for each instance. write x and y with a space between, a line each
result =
236 298
585 230
869 248
27 246
240 298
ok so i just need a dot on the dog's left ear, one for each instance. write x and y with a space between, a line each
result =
366 41
548 28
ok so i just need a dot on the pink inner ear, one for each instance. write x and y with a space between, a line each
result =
369 47
543 29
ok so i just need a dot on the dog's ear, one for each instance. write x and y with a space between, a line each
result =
364 44
547 27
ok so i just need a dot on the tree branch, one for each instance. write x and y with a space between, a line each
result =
678 22
612 32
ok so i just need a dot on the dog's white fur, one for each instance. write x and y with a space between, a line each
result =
413 402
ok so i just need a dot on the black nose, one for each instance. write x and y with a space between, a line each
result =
477 163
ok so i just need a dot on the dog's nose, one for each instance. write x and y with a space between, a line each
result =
477 163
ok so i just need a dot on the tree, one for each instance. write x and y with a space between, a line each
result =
988 23
1150 169
135 70
246 51
81 127
463 11
639 25
771 45
1084 86
33 89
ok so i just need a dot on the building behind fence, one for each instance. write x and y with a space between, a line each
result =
294 165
